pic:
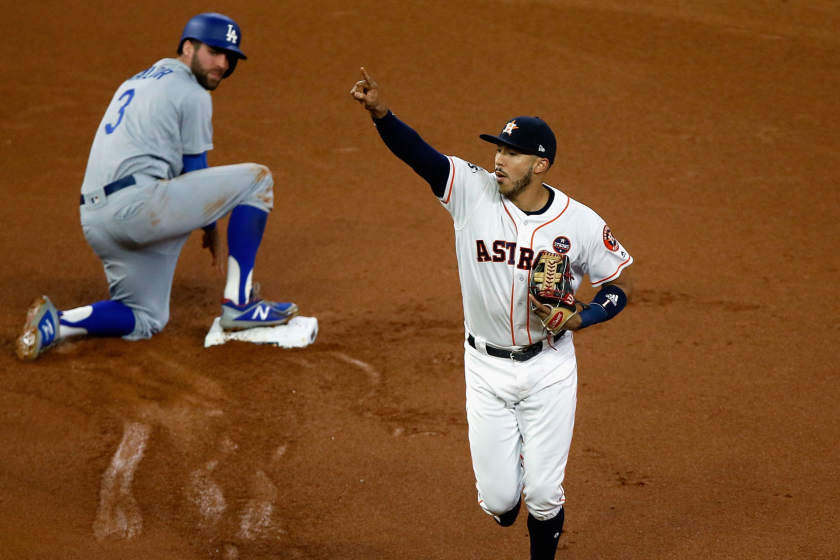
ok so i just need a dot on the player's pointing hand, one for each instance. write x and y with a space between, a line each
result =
366 92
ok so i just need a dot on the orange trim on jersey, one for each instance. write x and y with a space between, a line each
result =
516 229
451 181
617 271
528 310
512 332
563 211
513 279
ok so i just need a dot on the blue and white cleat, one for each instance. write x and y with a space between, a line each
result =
40 331
256 313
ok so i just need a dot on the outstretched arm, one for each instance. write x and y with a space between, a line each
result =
401 139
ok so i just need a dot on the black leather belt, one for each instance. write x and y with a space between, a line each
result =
520 356
117 185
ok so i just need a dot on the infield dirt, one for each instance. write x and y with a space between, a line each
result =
707 135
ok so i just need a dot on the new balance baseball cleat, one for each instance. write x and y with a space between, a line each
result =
40 331
256 313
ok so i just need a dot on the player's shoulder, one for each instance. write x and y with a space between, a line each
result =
468 169
471 178
171 78
574 208
582 210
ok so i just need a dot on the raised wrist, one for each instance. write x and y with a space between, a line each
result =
379 112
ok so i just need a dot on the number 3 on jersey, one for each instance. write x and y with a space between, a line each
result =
109 128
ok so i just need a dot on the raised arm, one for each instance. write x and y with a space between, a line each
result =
401 139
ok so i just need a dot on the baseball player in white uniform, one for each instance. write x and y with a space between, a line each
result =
148 186
521 378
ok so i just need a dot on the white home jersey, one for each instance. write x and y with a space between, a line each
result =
497 244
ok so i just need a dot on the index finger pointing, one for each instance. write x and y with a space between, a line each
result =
367 76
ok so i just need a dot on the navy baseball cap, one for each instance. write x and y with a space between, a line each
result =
528 134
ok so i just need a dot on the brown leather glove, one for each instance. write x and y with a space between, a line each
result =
551 284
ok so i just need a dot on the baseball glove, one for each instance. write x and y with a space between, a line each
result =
551 284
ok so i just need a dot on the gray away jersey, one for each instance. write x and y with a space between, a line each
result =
154 119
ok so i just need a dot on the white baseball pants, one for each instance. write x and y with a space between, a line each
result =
521 416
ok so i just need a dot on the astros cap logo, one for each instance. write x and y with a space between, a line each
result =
510 127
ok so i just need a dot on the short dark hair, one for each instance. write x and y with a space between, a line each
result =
195 43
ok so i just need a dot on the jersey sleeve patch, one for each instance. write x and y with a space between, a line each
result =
609 241
605 257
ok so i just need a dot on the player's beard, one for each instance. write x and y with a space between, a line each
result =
202 74
519 185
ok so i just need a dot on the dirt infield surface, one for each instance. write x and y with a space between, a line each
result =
706 133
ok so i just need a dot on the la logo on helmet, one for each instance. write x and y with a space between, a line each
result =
232 37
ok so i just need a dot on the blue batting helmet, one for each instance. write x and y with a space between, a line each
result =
218 31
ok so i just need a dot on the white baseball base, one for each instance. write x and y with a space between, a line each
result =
297 333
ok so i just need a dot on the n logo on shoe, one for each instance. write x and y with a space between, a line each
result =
262 312
48 329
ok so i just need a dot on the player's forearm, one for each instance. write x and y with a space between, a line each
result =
407 145
608 302
625 284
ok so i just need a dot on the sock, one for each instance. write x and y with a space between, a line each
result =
545 535
244 234
103 318
507 518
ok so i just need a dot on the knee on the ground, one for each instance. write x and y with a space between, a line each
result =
147 324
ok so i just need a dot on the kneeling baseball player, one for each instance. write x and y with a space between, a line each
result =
148 186
523 249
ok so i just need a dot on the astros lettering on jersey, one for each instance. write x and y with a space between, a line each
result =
496 243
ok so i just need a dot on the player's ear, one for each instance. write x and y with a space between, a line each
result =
188 48
541 166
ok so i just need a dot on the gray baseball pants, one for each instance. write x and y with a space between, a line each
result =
138 232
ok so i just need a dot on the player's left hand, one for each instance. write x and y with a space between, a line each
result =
543 311
213 241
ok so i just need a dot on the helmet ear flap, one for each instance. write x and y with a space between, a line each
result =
233 60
